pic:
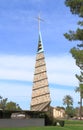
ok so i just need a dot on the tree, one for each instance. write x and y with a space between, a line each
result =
76 7
80 102
68 101
12 106
5 105
0 97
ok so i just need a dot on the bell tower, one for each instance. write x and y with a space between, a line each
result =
40 100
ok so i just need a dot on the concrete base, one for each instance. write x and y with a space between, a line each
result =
9 123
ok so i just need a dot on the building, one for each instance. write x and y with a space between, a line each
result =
40 100
58 113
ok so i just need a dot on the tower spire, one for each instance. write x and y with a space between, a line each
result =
40 100
40 45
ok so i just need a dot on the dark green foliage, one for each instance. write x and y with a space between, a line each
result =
70 112
80 23
62 123
76 6
78 55
5 105
59 108
35 114
72 35
54 123
81 90
12 106
29 114
3 102
68 101
58 122
6 114
77 52
48 120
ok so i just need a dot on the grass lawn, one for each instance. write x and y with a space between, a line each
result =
69 125
47 128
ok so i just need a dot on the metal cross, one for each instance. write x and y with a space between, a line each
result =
39 19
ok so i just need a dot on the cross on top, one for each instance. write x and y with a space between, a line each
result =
39 20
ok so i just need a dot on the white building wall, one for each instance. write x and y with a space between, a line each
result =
58 113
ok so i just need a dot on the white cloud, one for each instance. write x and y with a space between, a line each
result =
16 67
61 69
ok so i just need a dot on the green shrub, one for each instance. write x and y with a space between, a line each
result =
61 123
54 123
58 122
48 120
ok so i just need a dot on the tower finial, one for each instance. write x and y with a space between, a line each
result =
39 19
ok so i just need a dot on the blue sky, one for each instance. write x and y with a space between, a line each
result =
18 45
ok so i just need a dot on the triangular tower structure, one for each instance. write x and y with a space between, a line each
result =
40 92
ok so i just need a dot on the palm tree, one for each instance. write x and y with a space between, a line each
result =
68 101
